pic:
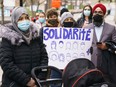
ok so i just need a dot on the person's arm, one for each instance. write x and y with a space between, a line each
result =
8 65
102 45
113 38
114 35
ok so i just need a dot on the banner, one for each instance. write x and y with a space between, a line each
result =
66 44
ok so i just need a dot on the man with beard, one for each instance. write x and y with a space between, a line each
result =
103 32
102 57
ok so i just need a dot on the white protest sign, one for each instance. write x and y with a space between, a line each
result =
66 44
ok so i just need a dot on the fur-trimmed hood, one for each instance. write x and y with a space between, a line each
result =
9 33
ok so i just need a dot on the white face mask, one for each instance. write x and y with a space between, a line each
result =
87 12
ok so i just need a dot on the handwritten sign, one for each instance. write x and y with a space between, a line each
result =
66 44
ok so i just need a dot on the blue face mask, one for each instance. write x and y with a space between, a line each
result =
87 13
42 20
24 25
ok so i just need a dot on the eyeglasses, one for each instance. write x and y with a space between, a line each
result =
98 12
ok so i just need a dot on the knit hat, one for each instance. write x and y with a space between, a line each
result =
100 6
65 15
63 10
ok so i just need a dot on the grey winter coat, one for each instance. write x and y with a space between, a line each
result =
108 34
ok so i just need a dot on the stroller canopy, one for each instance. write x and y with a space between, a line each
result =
81 73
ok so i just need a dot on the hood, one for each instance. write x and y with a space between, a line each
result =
17 12
12 35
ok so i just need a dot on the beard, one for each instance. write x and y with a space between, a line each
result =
97 20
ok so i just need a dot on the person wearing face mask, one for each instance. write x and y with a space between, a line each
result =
103 32
41 21
86 17
67 20
21 50
51 21
52 18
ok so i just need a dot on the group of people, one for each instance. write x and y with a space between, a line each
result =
22 46
43 19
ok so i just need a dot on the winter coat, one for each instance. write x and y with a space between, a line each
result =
109 62
108 34
17 58
80 22
108 66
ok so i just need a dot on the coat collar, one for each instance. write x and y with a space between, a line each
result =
16 39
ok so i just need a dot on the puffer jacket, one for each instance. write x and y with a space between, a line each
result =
18 58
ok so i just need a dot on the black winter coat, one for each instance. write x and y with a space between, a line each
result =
17 60
108 66
81 21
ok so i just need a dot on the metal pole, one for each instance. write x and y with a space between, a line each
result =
48 4
2 11
32 8
45 5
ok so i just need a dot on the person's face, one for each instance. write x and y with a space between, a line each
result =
41 15
37 15
87 8
98 11
87 11
68 20
53 17
53 21
23 17
23 23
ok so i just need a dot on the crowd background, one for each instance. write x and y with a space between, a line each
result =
109 17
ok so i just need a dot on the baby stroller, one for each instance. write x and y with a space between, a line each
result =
78 73
82 73
42 76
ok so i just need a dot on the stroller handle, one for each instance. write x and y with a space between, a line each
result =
46 81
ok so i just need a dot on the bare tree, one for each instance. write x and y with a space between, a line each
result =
32 8
2 11
39 3
115 12
21 2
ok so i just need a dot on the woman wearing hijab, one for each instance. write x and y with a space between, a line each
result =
86 17
21 50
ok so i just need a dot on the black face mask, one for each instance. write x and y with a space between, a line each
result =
68 24
53 22
98 20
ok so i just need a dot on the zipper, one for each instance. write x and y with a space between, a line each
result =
11 84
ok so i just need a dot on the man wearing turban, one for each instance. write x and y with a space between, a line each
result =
103 32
